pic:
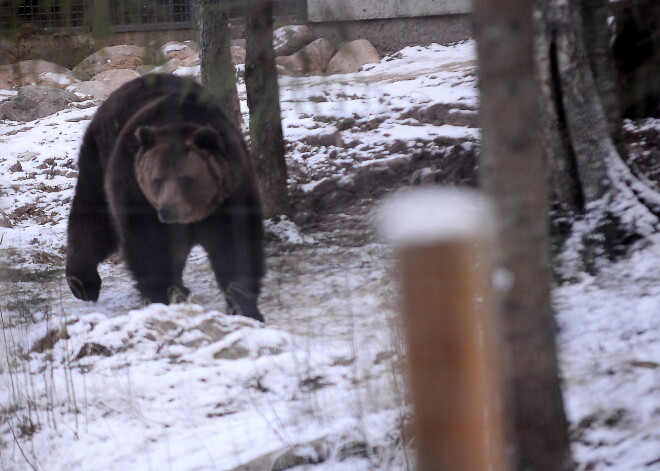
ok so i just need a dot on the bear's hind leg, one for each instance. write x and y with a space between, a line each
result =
236 257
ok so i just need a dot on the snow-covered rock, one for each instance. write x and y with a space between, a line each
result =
34 102
289 39
36 72
178 50
91 88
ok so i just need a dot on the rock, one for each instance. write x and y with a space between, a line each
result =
90 349
111 57
178 50
56 80
36 72
34 102
93 89
115 78
289 39
237 55
310 60
145 69
170 66
167 68
352 56
191 61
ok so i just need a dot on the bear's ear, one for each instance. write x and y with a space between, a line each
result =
208 139
146 136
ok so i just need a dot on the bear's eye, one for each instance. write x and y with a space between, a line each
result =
185 182
157 184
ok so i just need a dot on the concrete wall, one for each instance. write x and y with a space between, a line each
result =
351 10
391 35
391 24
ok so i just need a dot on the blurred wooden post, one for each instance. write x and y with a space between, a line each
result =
442 238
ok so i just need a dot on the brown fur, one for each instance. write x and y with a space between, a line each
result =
161 169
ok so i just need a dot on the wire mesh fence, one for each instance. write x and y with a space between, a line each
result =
123 15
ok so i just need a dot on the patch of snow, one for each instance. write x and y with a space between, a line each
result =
193 71
173 47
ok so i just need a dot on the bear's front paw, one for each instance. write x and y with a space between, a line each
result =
87 289
243 306
178 294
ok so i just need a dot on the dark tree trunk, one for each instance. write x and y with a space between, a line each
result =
636 49
589 181
218 73
513 175
264 102
597 39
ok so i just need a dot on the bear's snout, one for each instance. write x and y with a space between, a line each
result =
167 214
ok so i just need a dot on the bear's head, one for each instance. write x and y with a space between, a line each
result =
183 171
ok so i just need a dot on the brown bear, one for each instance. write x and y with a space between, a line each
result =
162 168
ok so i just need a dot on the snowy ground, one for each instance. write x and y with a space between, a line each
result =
320 385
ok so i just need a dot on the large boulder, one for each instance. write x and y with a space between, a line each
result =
34 102
290 39
310 60
92 89
111 57
36 72
115 78
352 56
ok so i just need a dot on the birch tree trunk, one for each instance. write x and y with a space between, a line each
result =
263 98
512 172
218 73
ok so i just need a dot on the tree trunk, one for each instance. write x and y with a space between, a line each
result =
218 73
589 179
597 39
513 175
264 102
636 49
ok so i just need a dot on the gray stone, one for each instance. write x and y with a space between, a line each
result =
352 56
34 102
